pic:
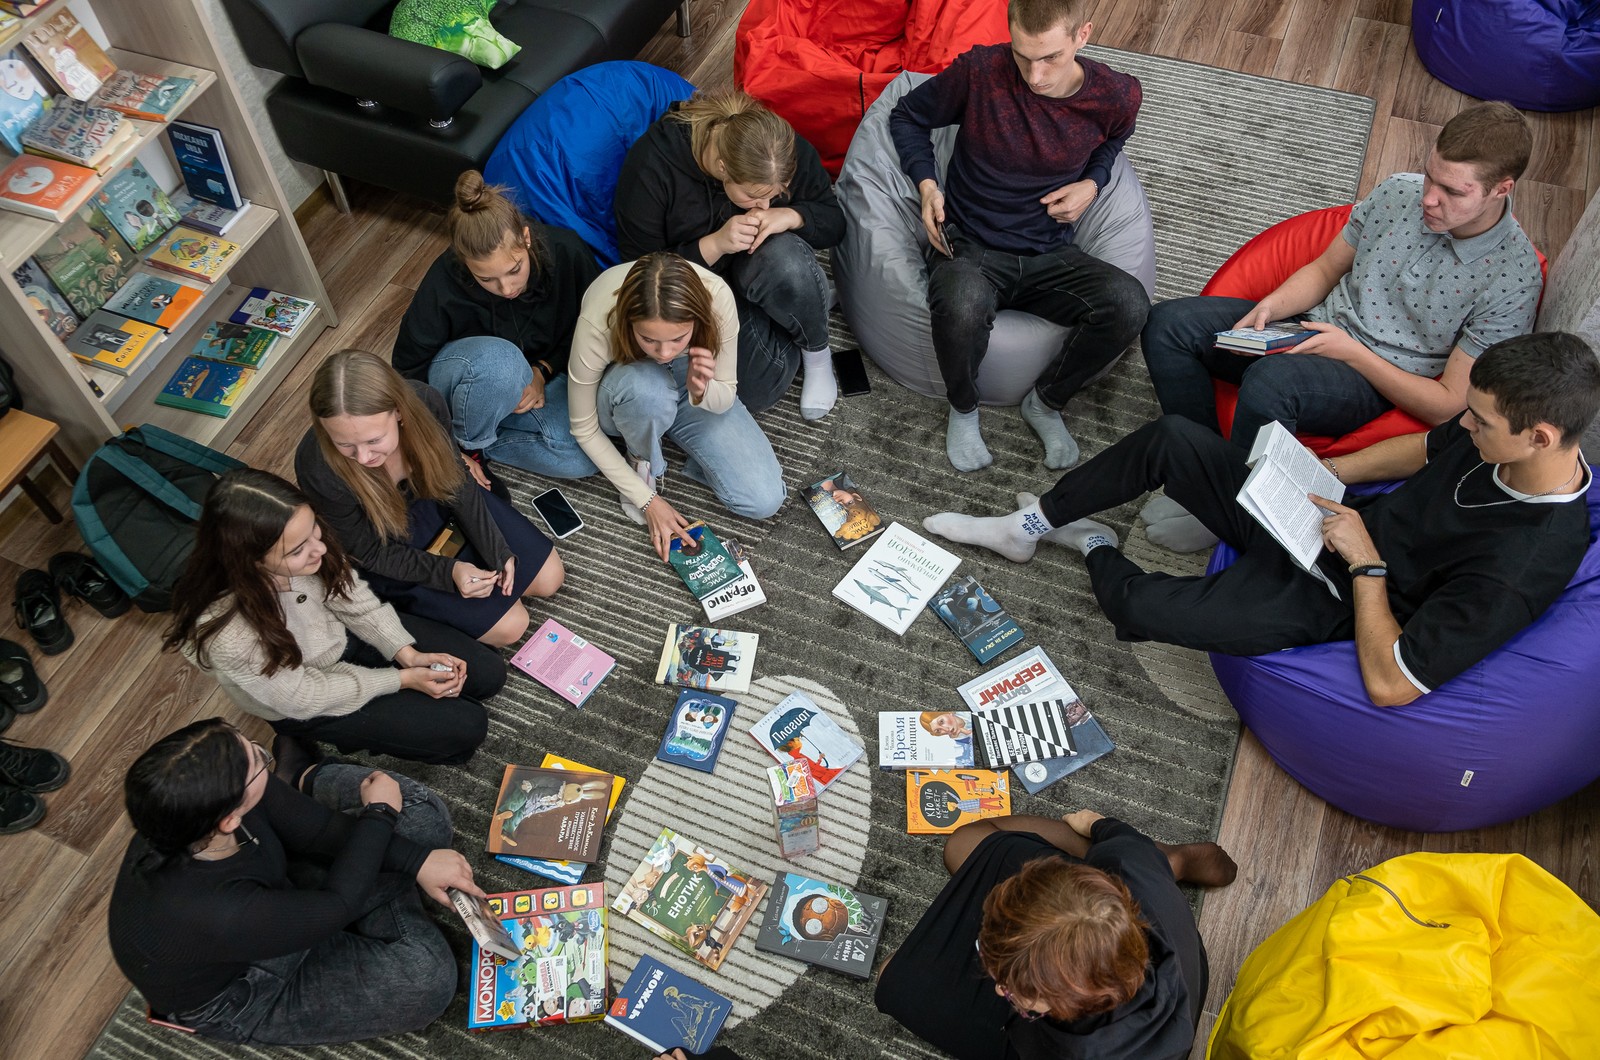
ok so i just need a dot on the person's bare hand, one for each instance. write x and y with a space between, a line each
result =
379 786
676 1054
473 581
1344 532
737 234
933 215
1258 317
442 869
771 221
702 369
532 394
664 524
508 576
475 470
1330 341
440 684
1067 203
1082 821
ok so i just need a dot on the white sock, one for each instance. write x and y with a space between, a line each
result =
963 442
1057 536
819 390
1180 533
1085 535
1013 536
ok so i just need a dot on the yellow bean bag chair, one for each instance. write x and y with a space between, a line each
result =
1459 956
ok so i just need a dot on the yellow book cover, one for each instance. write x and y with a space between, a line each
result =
190 252
109 341
938 801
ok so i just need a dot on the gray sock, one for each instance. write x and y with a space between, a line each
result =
1160 507
963 443
818 389
1060 451
1180 533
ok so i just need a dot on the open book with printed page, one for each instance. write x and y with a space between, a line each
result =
1282 473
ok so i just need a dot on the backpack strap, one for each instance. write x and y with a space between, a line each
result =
175 445
150 480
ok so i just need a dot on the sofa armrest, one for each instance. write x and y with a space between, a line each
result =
397 73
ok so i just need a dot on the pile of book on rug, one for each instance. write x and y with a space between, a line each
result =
539 956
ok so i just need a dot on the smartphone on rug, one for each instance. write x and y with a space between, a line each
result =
557 513
851 372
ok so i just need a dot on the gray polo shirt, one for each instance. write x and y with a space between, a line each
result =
1412 295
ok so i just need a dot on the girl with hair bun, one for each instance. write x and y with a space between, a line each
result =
490 326
726 183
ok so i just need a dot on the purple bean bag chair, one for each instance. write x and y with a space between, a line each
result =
1534 54
1511 735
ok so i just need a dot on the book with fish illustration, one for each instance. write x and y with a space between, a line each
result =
896 578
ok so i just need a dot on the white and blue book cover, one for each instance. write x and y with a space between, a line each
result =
896 578
22 98
696 729
664 1009
929 739
798 729
976 617
203 161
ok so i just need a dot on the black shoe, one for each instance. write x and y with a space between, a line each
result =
20 687
19 810
496 487
294 755
39 612
82 577
32 768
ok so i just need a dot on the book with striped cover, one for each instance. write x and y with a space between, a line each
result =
1024 732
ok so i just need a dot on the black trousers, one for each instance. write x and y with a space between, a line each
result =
1262 603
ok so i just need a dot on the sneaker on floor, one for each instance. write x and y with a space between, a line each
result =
38 606
20 688
32 768
642 469
78 575
19 810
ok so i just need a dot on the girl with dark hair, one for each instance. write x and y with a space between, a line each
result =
654 356
727 184
489 328
1056 940
249 912
270 605
380 471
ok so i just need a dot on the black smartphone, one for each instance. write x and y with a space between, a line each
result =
851 372
557 513
944 234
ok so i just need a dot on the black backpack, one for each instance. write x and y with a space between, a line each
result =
136 503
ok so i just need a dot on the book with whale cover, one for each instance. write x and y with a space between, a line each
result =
896 578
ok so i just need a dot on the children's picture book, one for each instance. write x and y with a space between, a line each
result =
203 161
563 662
798 729
109 341
77 132
1088 737
154 300
1024 732
1278 335
550 813
22 98
234 343
690 897
45 299
192 253
558 870
68 54
938 801
717 660
1030 675
209 217
86 260
45 187
559 972
487 931
273 310
206 386
931 739
1282 472
695 730
823 923
736 596
705 566
896 578
973 615
151 97
663 1009
136 206
844 512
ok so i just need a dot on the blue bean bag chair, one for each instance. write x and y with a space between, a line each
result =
1509 736
561 157
1534 54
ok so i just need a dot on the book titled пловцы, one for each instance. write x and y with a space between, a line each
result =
798 729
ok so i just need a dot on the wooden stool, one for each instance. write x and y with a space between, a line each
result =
23 438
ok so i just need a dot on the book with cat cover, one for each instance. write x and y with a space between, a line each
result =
563 871
151 97
896 578
203 161
45 298
22 98
663 1009
930 739
563 662
938 801
558 973
234 343
112 342
86 260
689 897
825 924
798 729
189 252
68 54
154 300
966 607
273 310
209 387
848 516
703 564
695 730
136 206
717 660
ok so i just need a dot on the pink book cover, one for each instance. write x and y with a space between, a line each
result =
563 662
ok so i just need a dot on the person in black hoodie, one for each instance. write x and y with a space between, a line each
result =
490 327
1055 940
724 182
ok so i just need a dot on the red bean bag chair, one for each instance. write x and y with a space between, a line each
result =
820 64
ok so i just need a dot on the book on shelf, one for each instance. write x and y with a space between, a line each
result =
663 1009
558 814
68 54
689 897
929 739
86 259
1278 335
1029 731
23 97
896 578
209 217
485 928
77 132
112 342
717 660
155 300
192 253
1033 676
203 161
150 97
703 564
739 595
938 801
136 206
45 187
205 386
1282 473
558 973
45 298
563 662
234 343
695 730
974 616
559 869
844 513
273 310
19 9
799 729
826 924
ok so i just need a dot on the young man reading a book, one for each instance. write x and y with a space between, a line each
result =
1483 535
1040 129
1430 270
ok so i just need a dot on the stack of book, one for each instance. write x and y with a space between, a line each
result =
718 573
558 868
78 132
149 97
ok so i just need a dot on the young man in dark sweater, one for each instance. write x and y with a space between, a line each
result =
1040 129
1484 534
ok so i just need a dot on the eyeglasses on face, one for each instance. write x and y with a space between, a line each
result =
1026 1013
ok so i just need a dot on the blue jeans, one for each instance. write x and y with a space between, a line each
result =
644 402
1103 306
1302 391
389 970
482 379
783 300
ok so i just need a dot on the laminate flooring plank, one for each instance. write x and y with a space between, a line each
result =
329 234
1565 839
36 867
1421 97
707 20
410 274
1190 33
355 278
1394 12
1405 147
1560 152
1315 41
1134 25
1260 18
1248 53
1592 185
1372 53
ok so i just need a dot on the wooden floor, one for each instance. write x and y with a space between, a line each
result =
113 693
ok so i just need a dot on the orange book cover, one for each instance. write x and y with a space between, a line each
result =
938 801
45 187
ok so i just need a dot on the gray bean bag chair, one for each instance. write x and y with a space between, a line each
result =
883 281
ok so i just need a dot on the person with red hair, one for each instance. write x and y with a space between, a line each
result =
1057 939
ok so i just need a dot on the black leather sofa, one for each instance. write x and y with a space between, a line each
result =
356 102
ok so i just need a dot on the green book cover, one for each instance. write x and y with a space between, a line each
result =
235 344
87 260
705 565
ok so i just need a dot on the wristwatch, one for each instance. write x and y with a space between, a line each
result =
381 810
1371 570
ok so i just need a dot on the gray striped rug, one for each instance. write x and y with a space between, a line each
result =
1218 153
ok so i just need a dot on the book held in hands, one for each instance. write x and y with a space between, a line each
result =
1278 335
663 1009
1275 493
896 578
703 564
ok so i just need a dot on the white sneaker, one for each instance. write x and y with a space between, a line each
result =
642 469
